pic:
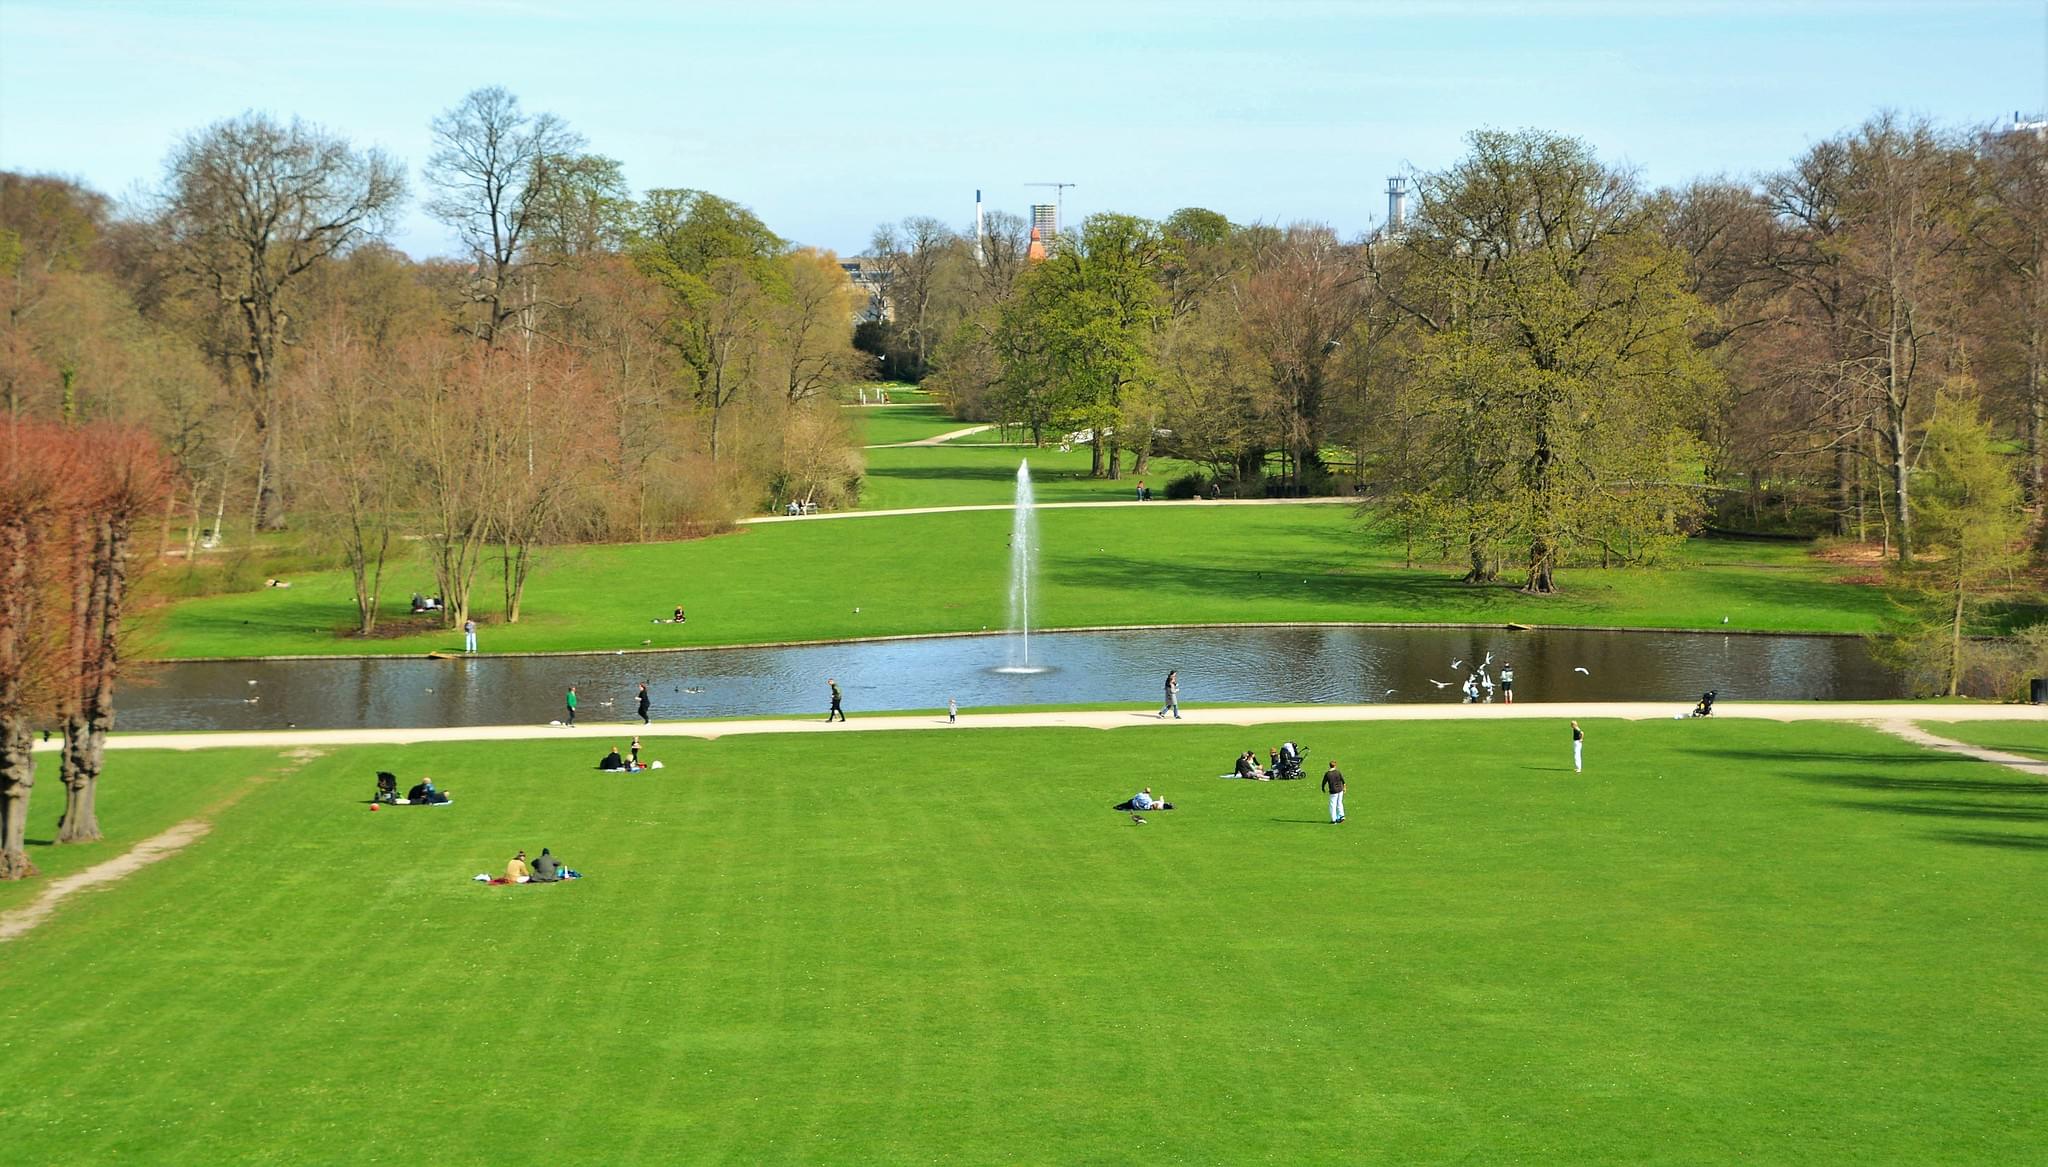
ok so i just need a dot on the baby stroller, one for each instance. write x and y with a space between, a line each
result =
1706 706
387 788
1290 762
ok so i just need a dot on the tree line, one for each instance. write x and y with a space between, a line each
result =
1548 362
592 365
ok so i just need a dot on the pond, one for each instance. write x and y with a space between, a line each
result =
1263 665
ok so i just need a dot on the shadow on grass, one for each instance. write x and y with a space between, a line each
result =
1308 822
1301 581
2036 843
1956 810
1865 757
1925 785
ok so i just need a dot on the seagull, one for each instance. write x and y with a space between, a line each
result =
1582 669
251 700
693 690
1437 683
1724 620
1390 692
430 690
604 703
1456 663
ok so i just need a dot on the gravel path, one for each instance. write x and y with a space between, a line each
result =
1886 713
1050 506
1920 737
934 440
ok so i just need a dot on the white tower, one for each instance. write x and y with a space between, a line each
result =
980 232
1397 203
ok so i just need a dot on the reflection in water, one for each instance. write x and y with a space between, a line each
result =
1263 665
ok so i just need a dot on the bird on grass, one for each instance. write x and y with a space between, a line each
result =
1138 819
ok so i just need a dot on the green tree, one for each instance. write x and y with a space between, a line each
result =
1079 341
1968 532
714 259
1559 355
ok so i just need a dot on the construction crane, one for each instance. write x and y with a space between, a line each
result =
1059 202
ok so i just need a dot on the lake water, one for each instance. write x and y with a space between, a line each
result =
1238 665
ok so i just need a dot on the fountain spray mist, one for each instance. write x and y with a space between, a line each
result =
1023 566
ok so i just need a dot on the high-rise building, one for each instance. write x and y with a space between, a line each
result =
1046 217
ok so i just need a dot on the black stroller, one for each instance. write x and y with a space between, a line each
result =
1290 762
1706 706
387 787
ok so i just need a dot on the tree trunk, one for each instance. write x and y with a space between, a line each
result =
1901 485
1955 632
85 741
269 499
1542 568
1484 568
17 779
1096 462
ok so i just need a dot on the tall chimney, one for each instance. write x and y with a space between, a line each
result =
979 231
1397 203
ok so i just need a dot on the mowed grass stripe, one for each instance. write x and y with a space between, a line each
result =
1725 940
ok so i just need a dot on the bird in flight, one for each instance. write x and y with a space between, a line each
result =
1437 683
1582 669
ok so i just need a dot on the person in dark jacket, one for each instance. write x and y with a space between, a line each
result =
644 704
546 869
612 761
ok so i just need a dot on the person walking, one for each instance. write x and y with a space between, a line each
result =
569 699
1507 683
1172 695
1578 749
952 710
835 711
1333 781
644 720
469 636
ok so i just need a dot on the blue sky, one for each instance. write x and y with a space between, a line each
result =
830 118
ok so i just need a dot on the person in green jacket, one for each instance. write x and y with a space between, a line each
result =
570 701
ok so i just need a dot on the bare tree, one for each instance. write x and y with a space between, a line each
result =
251 206
494 165
122 479
31 475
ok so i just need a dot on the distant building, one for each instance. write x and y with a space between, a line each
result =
872 278
1045 219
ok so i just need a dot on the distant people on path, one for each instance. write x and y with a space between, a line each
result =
1507 683
1172 695
644 705
612 761
1333 781
469 636
1578 749
835 711
952 710
569 700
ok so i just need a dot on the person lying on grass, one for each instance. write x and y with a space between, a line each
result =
424 794
1143 800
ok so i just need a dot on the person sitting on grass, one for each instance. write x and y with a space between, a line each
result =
424 794
517 871
679 618
612 761
546 869
1248 767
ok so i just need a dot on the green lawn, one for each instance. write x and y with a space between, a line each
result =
1164 563
2026 738
965 474
903 423
1726 942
